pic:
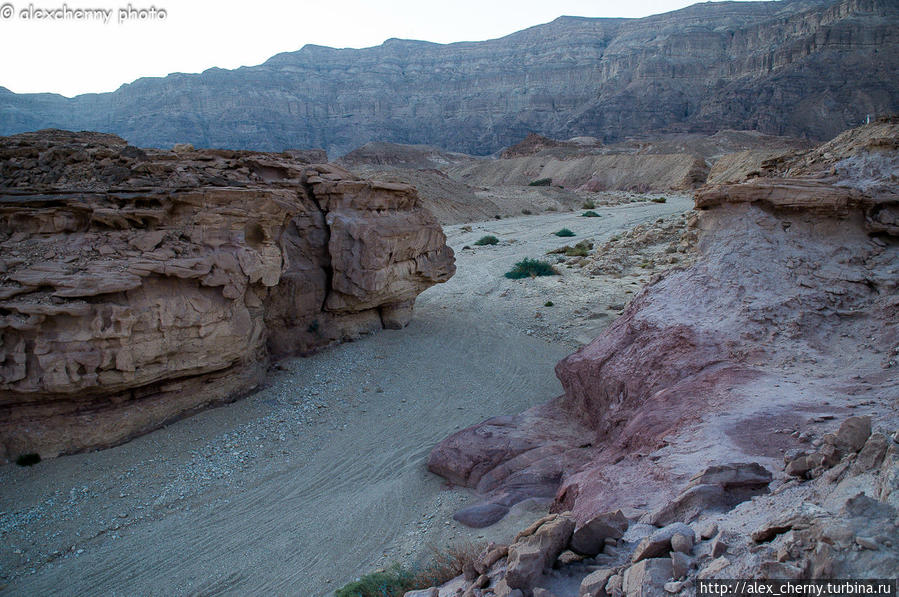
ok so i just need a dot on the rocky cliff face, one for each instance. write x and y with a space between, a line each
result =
797 67
138 285
789 311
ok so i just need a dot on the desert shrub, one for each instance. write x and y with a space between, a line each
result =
565 232
548 304
393 582
658 199
530 268
466 229
497 217
590 214
442 565
577 251
28 459
487 240
588 205
445 564
551 208
526 212
541 182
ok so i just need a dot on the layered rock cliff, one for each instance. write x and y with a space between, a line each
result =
139 285
796 67
790 311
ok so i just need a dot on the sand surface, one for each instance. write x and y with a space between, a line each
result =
320 476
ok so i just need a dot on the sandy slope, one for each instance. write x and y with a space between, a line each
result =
320 476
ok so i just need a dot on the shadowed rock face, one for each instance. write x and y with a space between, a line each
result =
138 285
796 67
792 304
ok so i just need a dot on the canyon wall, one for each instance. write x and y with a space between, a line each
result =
140 285
791 309
807 68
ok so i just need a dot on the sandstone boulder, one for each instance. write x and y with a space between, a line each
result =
647 578
590 537
659 543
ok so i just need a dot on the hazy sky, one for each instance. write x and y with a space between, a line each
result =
81 54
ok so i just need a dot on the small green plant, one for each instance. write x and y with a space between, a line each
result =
551 208
658 199
590 214
588 205
486 240
548 304
394 581
530 268
28 459
541 182
565 232
442 566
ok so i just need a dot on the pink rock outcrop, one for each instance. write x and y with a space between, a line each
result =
140 285
791 308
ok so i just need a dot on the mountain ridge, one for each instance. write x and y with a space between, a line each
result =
806 68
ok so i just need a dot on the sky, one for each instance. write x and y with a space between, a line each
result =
49 46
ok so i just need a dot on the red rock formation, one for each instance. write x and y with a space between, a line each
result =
139 285
792 306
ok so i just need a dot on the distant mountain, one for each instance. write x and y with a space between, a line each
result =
807 68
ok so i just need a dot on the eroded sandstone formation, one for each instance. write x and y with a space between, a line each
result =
138 285
791 309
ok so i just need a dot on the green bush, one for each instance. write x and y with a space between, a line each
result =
487 240
392 582
588 205
565 232
548 304
541 182
590 214
658 199
443 565
530 268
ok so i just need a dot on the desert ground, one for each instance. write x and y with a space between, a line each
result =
320 476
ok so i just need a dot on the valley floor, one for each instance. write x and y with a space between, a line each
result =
320 476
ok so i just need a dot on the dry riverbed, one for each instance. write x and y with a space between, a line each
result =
320 476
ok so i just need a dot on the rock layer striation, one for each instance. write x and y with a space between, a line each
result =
806 68
139 285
